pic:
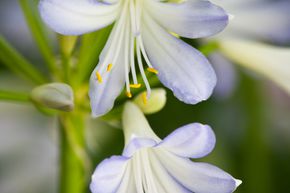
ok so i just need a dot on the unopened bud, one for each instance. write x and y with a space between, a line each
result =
57 96
154 103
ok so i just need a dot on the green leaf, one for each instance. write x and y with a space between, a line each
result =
14 96
91 46
18 64
30 12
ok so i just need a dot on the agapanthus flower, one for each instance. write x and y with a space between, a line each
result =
144 30
252 37
149 164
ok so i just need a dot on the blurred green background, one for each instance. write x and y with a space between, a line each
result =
252 125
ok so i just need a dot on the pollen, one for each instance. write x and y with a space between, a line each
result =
144 98
135 85
99 77
109 67
129 95
153 70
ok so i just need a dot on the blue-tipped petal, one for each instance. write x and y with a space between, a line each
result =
192 19
108 175
198 177
193 140
104 92
75 17
181 68
136 144
103 95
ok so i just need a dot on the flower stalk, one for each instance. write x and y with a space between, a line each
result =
74 162
14 96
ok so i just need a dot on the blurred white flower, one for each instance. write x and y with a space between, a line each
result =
257 21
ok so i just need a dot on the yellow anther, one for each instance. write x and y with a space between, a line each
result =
144 98
99 77
129 95
175 34
109 67
135 85
153 70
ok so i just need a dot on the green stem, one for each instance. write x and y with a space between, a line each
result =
30 12
256 151
74 162
18 64
67 45
14 96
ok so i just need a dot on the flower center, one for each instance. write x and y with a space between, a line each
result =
126 36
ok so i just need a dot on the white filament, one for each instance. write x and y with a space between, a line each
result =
127 32
142 70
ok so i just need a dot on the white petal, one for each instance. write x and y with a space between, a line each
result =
163 177
181 68
75 17
229 5
108 175
135 124
193 140
136 144
192 19
103 94
128 183
273 62
198 177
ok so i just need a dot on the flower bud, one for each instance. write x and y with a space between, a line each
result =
57 96
153 104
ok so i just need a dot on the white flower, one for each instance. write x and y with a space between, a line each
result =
256 21
141 31
149 164
270 61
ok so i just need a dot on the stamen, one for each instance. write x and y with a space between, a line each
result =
144 98
139 39
132 60
139 59
135 85
109 67
116 40
99 77
138 17
129 95
133 18
153 70
126 59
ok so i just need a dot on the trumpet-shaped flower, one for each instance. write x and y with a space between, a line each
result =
255 21
149 164
141 33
